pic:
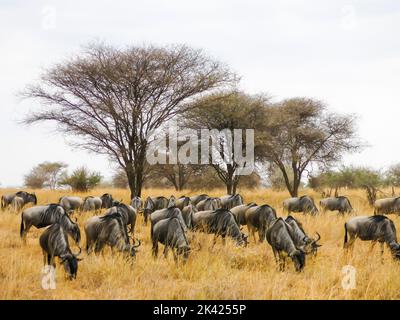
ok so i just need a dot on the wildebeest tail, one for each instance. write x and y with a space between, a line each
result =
345 234
2 202
22 227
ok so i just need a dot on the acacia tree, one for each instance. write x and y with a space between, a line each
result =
228 110
112 99
300 132
46 174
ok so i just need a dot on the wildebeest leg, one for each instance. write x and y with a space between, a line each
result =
223 240
165 251
175 255
52 260
98 247
44 257
382 249
25 232
276 256
282 262
372 246
154 249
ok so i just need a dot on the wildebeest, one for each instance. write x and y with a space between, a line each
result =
128 214
220 222
71 203
106 201
137 203
341 204
301 239
43 216
170 232
17 204
231 200
182 202
376 229
283 245
387 206
110 230
152 204
194 200
91 203
303 204
167 213
54 243
239 213
209 204
187 214
6 200
259 218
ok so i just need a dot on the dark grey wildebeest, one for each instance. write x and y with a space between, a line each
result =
71 203
303 204
152 204
171 233
376 229
182 202
6 200
167 213
301 239
231 200
110 230
137 203
54 243
91 203
279 236
240 211
258 219
387 206
194 200
209 204
43 216
220 222
128 214
341 204
107 201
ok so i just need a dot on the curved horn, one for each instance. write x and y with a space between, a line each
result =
318 235
77 254
137 245
76 220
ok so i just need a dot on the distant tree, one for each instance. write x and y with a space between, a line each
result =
177 175
46 174
393 175
228 111
82 180
119 180
300 132
111 99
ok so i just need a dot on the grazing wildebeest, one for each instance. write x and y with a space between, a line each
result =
106 201
303 204
170 232
43 216
209 204
341 204
167 213
6 200
152 204
17 204
54 243
137 203
110 230
128 214
194 200
239 213
301 239
187 214
220 222
259 218
91 203
182 202
231 200
283 245
376 229
71 203
387 206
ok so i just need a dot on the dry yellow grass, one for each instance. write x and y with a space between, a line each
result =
225 272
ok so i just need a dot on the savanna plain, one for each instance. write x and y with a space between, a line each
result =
219 272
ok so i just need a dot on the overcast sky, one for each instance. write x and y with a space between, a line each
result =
346 53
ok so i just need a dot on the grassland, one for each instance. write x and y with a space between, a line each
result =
223 272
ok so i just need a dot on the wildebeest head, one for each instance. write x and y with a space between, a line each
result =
32 198
70 263
171 201
131 249
299 259
106 201
312 245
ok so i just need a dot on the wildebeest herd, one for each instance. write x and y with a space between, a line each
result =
175 221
